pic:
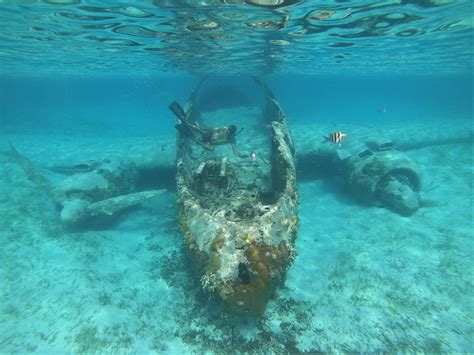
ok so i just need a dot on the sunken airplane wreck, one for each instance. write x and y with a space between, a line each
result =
237 202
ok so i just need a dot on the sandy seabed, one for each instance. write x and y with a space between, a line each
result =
365 278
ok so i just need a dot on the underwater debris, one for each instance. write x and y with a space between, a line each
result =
239 219
376 172
78 212
93 192
397 192
32 173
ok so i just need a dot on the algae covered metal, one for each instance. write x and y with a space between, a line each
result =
378 172
92 194
238 213
373 169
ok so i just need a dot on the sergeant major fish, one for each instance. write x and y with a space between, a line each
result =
336 137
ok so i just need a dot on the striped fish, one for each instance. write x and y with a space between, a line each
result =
336 137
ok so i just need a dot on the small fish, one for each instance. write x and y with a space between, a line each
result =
253 156
336 137
382 110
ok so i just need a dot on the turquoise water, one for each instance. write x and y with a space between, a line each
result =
86 81
235 36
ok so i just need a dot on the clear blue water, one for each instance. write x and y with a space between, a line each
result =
83 81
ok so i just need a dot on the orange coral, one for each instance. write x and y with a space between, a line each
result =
267 266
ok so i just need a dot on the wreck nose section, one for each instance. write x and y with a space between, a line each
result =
258 279
242 263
